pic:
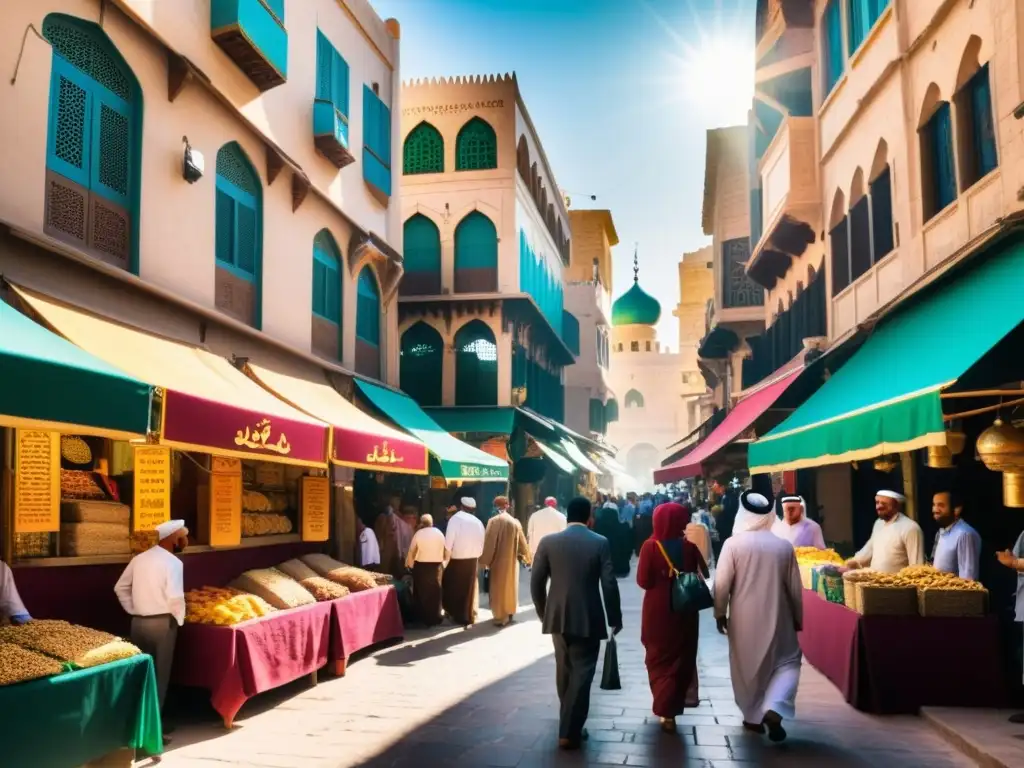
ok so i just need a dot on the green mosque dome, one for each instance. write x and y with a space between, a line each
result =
636 306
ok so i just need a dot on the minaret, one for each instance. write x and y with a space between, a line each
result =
636 264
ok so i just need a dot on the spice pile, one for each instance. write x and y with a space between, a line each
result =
65 645
815 556
223 606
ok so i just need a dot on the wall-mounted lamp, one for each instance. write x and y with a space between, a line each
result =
191 162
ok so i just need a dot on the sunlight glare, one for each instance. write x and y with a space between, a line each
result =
718 80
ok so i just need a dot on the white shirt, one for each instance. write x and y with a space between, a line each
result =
464 539
369 549
427 547
153 585
893 545
11 606
542 522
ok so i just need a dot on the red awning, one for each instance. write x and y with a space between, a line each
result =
742 415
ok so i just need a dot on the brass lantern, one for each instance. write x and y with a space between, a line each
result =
1001 449
941 456
887 463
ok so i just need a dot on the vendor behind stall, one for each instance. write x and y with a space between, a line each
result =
896 540
151 590
957 547
11 607
795 527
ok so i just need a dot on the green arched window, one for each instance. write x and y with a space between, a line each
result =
420 369
611 411
476 365
476 255
422 258
93 142
239 213
634 399
326 296
367 324
598 422
423 151
476 146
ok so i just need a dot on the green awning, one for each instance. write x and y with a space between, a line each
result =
579 456
886 398
451 459
49 383
482 420
557 458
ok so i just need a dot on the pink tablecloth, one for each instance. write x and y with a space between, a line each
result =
236 663
363 619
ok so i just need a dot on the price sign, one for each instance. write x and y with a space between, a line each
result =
316 508
152 499
37 482
225 502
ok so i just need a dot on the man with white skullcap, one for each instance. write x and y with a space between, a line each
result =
544 521
464 542
759 605
152 591
896 540
795 527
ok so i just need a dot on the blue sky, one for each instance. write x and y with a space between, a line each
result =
621 92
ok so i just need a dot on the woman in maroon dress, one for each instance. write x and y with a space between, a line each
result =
669 638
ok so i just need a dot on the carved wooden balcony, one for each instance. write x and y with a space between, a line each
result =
330 133
252 34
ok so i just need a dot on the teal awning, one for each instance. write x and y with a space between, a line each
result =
479 419
579 456
557 458
886 398
451 458
49 383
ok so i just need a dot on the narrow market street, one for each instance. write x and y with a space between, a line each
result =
485 697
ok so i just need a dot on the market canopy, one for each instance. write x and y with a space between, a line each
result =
477 419
886 398
208 405
453 459
357 440
736 422
557 458
50 384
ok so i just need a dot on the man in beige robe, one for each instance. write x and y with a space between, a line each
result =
505 547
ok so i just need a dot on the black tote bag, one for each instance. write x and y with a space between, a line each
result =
610 676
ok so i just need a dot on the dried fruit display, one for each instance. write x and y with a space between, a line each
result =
279 590
297 569
18 665
70 643
223 606
79 484
265 524
356 579
927 577
815 556
323 589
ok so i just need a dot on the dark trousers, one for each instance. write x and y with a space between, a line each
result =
156 635
575 665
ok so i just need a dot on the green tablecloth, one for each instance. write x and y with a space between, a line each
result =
68 720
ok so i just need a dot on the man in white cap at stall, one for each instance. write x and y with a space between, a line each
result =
759 605
152 591
545 520
896 540
464 542
795 527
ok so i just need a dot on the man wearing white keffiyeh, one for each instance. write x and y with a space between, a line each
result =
759 605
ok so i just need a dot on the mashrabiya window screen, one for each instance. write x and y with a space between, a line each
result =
423 151
476 147
326 278
368 308
237 214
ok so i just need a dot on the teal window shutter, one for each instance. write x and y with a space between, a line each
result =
326 278
980 89
476 146
368 308
376 141
238 215
422 245
421 359
476 243
939 133
423 151
832 44
70 144
324 67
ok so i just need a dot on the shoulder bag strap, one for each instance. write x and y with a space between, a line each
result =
672 570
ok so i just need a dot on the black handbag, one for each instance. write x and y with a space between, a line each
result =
487 580
610 676
689 591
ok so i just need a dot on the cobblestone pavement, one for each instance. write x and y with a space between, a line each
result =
486 697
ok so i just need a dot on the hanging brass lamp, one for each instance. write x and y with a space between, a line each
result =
887 463
941 456
1001 449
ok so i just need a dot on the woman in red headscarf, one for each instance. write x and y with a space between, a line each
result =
669 638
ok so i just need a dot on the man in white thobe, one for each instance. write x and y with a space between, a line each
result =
152 591
896 540
545 520
795 527
464 541
759 605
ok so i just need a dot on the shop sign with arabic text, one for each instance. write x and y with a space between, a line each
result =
203 425
366 451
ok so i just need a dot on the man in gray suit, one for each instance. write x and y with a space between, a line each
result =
576 560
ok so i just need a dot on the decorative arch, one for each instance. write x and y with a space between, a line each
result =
611 410
880 189
634 399
423 150
857 187
422 257
476 255
523 158
641 460
938 162
932 101
239 235
476 365
327 282
93 147
880 162
368 323
476 146
839 245
421 364
977 147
